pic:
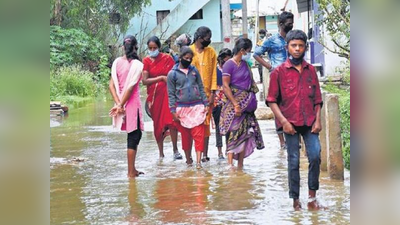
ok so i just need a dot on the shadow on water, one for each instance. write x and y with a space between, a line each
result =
96 190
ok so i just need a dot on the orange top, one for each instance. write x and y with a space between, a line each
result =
206 62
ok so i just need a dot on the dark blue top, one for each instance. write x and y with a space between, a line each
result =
219 77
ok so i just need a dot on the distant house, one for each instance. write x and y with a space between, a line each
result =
168 19
304 13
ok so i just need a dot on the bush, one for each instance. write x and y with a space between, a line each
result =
103 73
71 81
73 46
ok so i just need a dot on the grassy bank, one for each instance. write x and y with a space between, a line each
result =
74 85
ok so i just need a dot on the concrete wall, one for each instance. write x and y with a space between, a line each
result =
211 19
147 21
272 24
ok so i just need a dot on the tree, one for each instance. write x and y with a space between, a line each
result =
101 19
334 16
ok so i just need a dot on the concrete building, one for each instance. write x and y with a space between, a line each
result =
167 19
304 13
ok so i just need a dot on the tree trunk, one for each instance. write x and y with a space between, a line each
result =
57 13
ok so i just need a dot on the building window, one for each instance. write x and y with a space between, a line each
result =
198 15
161 15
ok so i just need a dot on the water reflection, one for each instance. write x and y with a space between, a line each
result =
136 209
233 192
66 194
183 199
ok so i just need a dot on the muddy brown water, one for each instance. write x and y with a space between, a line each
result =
97 191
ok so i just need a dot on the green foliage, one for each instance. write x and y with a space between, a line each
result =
345 127
73 46
102 19
344 104
71 81
103 73
335 17
345 72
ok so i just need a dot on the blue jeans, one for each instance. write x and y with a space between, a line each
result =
313 149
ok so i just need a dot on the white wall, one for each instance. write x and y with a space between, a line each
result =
148 19
211 19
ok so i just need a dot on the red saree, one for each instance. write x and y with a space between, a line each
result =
157 96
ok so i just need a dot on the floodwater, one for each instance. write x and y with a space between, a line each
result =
88 183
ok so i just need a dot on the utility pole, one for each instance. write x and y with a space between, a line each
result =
257 28
226 24
244 18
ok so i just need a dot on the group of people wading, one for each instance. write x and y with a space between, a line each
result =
186 91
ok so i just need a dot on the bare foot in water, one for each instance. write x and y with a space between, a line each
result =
231 168
296 204
313 204
135 174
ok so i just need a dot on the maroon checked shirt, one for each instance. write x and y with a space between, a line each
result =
295 93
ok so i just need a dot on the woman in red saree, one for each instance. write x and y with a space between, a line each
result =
155 70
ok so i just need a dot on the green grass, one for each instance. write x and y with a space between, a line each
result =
73 101
71 81
74 86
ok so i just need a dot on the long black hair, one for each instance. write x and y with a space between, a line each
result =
242 43
130 46
156 40
223 54
201 32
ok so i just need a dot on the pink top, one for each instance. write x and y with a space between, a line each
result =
123 68
191 116
127 74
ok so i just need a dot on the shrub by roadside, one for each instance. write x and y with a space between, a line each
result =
66 82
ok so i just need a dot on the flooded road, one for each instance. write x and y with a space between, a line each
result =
88 183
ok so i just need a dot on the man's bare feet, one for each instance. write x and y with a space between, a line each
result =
313 204
296 204
312 201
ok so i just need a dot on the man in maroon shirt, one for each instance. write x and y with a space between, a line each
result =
294 96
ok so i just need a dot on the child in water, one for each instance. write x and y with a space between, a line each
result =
188 104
